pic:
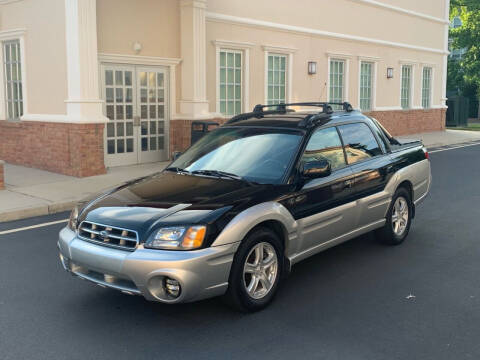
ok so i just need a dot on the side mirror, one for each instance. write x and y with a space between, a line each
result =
176 155
316 169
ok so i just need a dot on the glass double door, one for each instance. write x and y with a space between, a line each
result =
136 107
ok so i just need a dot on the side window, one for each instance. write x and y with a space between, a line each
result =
325 144
360 144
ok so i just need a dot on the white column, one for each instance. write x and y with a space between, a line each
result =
83 104
193 103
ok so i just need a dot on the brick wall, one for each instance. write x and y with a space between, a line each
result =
2 175
405 122
70 149
181 133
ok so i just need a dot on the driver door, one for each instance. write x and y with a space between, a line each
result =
324 207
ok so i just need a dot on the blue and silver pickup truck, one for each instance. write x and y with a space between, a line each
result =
239 208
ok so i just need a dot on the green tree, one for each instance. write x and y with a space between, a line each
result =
464 74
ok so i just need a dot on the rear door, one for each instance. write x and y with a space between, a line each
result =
371 167
322 205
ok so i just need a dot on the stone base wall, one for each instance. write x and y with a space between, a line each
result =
70 149
2 176
181 133
406 122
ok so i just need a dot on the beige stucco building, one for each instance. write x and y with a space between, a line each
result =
87 84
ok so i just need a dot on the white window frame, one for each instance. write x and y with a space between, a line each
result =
285 51
432 77
13 35
346 58
243 47
374 61
412 84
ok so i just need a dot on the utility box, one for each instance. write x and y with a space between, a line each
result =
200 128
458 111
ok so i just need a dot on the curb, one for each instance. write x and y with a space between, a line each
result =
36 211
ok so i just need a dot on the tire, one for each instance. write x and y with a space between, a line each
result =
395 232
244 273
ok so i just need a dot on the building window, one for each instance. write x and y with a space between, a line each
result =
406 89
366 85
337 81
13 79
230 82
427 87
276 79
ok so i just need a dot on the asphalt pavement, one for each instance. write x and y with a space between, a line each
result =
359 300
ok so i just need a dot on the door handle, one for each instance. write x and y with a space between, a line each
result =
136 120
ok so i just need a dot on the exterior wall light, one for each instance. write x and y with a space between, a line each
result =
312 67
389 73
137 47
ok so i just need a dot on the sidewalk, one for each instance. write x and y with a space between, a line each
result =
32 192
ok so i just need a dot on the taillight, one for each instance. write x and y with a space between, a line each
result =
425 151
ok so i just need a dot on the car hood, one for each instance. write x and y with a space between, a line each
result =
169 198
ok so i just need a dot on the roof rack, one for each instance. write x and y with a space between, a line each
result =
259 112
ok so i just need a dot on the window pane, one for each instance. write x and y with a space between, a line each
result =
129 145
366 81
406 86
118 77
325 145
360 144
128 78
13 84
230 81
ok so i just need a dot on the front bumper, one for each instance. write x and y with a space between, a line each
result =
201 273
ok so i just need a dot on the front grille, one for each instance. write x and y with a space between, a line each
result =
108 235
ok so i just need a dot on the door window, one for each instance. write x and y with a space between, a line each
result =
325 144
360 144
119 110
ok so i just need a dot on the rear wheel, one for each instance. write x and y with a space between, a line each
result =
399 218
256 271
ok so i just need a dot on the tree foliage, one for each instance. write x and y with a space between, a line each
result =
465 73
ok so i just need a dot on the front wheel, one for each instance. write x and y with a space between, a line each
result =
256 271
399 219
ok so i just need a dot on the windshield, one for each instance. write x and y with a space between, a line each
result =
255 154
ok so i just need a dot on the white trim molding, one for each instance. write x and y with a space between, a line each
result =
211 16
234 45
401 10
369 58
243 47
7 35
5 2
137 60
281 50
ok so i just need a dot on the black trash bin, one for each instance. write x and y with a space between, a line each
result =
200 128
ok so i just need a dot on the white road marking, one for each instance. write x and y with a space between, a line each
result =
453 148
32 227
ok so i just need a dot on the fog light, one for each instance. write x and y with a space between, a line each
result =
172 287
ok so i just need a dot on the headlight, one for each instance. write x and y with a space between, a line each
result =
177 238
72 222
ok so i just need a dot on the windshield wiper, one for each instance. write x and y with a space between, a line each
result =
177 170
223 174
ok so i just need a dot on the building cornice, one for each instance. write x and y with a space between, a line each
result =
217 17
402 10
